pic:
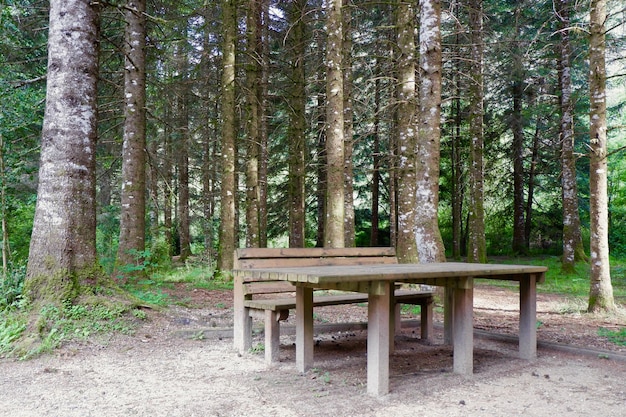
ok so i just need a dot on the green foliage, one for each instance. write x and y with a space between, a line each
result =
196 276
12 327
11 286
258 348
411 309
153 290
141 263
107 235
145 291
56 325
617 337
160 254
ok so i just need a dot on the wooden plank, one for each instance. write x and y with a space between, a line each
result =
438 274
268 287
317 261
275 304
248 253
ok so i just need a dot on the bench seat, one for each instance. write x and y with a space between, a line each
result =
278 296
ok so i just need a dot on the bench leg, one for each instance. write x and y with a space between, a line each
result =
242 322
304 328
426 319
397 322
448 314
272 336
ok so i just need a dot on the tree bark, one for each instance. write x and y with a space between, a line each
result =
62 260
376 163
477 247
227 233
182 146
297 126
406 245
335 190
6 250
132 237
429 242
601 289
322 179
168 183
532 173
349 227
263 120
253 125
517 149
573 249
457 170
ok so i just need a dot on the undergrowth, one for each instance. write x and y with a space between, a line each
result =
154 289
617 337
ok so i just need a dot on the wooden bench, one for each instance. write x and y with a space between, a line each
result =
271 300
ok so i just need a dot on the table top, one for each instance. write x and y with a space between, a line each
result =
320 275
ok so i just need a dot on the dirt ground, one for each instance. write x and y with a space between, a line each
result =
180 362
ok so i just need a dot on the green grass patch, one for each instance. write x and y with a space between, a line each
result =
53 325
201 277
153 290
575 284
617 337
411 309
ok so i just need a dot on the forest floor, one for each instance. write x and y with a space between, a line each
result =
180 362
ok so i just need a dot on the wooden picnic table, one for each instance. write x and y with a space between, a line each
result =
378 282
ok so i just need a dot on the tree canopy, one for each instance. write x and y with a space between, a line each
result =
269 123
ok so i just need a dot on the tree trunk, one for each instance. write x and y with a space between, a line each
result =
573 249
457 178
531 181
517 149
229 131
6 250
456 183
253 125
321 173
182 153
406 248
297 127
429 242
153 190
334 230
168 184
477 248
376 163
133 197
62 260
348 124
263 120
601 289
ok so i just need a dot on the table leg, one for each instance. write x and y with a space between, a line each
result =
462 325
378 336
528 318
304 328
